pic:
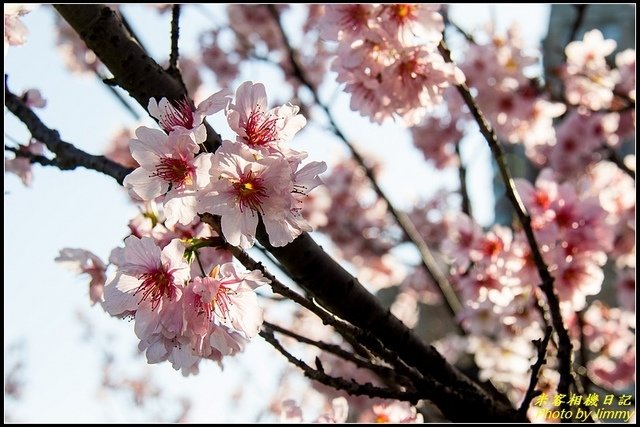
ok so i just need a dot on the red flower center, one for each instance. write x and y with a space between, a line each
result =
260 130
250 192
175 171
179 114
156 284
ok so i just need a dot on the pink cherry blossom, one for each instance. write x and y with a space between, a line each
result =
437 139
258 127
576 277
588 79
591 51
224 66
15 32
179 114
626 64
342 21
33 98
21 166
232 297
384 61
118 148
253 23
146 274
463 235
168 165
413 23
81 261
244 187
392 412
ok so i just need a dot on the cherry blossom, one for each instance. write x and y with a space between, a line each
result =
232 298
178 114
15 32
258 127
626 64
81 261
146 273
118 148
393 412
168 166
290 412
589 81
33 98
385 69
21 165
244 187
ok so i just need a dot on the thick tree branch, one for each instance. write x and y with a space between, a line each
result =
68 157
564 341
103 32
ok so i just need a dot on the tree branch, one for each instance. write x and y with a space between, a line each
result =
137 73
384 372
580 14
351 387
565 347
33 158
464 193
68 157
175 36
535 370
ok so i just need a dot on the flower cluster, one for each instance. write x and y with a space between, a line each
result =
255 176
179 316
188 299
387 57
588 80
510 100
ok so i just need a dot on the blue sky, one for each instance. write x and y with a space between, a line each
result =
87 210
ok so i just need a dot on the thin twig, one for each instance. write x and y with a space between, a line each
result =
565 347
580 14
613 157
535 370
109 83
351 387
68 157
33 158
464 193
175 36
465 34
403 220
384 372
